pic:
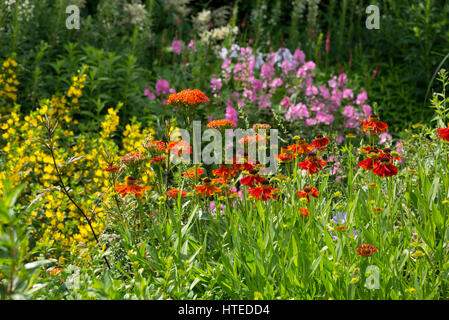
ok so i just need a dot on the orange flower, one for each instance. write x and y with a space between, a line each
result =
207 189
264 191
187 97
131 186
300 147
193 172
221 124
285 157
320 142
373 125
307 192
174 193
304 211
55 271
366 250
443 133
312 164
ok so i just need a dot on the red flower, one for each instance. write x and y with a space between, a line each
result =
307 192
385 167
443 133
373 125
131 186
226 171
368 163
110 169
312 164
207 189
365 250
252 178
264 191
174 193
158 159
320 142
304 211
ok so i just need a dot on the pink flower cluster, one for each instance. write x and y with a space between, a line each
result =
162 91
257 79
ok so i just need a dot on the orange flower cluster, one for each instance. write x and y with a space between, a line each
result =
187 97
221 124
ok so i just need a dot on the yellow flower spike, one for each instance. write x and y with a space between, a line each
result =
354 280
445 201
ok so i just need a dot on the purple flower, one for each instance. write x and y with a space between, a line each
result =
340 218
176 46
285 102
361 97
150 95
192 45
311 91
162 87
298 58
277 82
264 101
349 112
216 84
324 91
348 94
231 114
267 71
342 79
366 110
332 82
385 138
297 111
